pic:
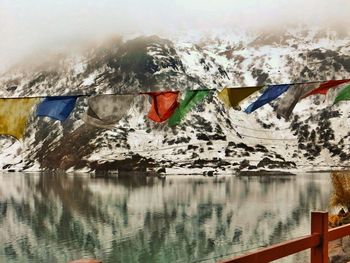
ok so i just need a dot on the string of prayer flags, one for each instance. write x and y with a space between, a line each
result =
293 95
233 96
105 111
14 114
58 107
325 86
343 94
192 98
271 93
163 105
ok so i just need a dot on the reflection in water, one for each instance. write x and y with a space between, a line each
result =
50 218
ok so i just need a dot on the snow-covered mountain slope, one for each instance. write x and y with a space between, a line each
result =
212 137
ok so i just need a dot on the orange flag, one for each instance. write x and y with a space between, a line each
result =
163 105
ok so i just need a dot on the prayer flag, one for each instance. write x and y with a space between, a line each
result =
325 86
271 93
58 107
163 105
233 96
105 111
293 95
192 97
343 94
14 114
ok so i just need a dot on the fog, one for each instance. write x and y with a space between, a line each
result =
28 26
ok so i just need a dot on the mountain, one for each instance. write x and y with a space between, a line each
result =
212 139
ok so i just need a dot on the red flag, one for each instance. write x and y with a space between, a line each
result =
163 105
325 86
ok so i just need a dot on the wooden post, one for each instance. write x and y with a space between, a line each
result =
319 225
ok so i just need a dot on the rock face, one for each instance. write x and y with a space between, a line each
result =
336 252
212 137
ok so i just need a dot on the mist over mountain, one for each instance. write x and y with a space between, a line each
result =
41 26
212 138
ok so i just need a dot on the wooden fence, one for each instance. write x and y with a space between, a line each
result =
317 241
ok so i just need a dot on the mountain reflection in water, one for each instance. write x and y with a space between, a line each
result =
51 218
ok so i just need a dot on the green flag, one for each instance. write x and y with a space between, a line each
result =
343 94
192 97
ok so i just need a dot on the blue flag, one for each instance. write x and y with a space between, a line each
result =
271 93
57 108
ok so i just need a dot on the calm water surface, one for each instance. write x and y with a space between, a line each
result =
51 218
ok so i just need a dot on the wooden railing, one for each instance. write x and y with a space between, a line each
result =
317 241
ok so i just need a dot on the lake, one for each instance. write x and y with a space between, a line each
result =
57 218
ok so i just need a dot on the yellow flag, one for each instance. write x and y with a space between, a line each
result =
14 114
233 96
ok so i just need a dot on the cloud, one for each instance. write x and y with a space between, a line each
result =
27 26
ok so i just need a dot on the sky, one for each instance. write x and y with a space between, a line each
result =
28 26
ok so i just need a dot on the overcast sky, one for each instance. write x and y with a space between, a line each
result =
28 25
